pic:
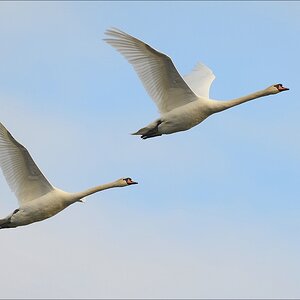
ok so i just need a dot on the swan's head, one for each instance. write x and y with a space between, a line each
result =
126 181
276 88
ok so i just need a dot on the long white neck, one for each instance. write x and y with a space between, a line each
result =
222 105
96 189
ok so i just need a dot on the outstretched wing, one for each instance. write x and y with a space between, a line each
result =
156 70
22 174
200 80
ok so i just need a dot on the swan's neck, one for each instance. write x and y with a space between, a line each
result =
222 105
95 189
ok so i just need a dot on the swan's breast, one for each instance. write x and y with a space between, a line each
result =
184 117
41 208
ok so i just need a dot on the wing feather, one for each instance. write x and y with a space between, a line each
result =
200 80
156 71
20 171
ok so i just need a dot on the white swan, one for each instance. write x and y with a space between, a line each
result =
183 102
38 199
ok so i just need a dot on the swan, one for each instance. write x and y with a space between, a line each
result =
38 199
183 102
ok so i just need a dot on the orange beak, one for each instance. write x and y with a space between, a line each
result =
282 88
129 181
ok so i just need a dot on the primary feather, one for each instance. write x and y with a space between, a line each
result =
22 174
156 70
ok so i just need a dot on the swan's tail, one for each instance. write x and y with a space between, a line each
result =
5 223
149 131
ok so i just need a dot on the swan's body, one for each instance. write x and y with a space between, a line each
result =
38 199
183 102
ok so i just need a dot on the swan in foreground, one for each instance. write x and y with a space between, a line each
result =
38 199
183 102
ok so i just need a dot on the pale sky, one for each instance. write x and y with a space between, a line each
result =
216 213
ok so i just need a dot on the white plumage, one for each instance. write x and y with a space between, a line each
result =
38 199
183 102
22 174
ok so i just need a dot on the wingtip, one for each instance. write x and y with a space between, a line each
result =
114 31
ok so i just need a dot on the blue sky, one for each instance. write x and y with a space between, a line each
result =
216 211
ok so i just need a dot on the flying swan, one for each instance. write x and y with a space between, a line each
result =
38 199
183 102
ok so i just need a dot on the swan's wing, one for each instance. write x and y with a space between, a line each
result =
156 70
200 80
22 174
